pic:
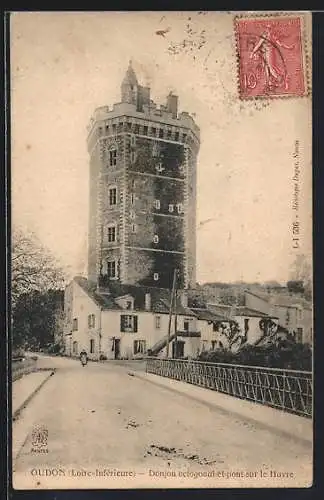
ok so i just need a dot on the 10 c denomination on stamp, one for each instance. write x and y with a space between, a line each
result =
270 57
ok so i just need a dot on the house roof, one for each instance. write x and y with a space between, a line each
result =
102 300
247 311
106 297
207 315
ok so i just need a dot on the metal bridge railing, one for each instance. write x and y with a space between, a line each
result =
288 390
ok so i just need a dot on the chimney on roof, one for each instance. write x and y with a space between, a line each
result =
183 298
172 105
147 302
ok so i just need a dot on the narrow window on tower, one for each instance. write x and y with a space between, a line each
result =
180 208
133 157
156 276
113 157
155 149
111 269
132 199
157 204
132 214
159 168
111 233
112 196
133 228
155 239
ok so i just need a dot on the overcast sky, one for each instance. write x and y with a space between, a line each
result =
64 65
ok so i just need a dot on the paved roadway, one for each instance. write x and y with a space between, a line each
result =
101 417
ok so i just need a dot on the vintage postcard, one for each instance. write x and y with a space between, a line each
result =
162 309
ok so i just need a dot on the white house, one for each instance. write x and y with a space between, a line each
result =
126 321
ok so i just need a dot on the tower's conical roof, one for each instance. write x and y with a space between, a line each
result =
130 77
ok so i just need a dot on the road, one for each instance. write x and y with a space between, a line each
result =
101 418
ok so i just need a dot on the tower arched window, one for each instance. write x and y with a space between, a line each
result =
113 157
112 195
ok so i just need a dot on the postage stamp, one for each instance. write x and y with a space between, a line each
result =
270 57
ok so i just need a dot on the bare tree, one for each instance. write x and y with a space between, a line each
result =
301 270
32 266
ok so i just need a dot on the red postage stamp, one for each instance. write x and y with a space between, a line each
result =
271 59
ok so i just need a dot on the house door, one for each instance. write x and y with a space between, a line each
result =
178 349
117 348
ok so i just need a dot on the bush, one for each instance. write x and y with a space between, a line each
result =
286 354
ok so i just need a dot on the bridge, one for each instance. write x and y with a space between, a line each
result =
212 425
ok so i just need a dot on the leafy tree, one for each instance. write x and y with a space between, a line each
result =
36 319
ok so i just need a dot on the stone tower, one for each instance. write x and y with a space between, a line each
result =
142 221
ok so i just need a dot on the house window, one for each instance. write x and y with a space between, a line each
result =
161 133
128 323
139 346
75 347
133 228
145 130
91 321
133 141
136 129
184 137
111 269
180 208
155 239
75 324
157 204
129 304
299 335
156 276
186 326
133 156
113 157
169 133
157 322
246 325
213 344
171 208
176 136
111 234
153 131
92 346
112 196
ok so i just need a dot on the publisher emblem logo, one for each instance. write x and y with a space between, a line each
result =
39 439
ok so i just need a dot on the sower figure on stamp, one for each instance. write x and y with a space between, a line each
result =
268 49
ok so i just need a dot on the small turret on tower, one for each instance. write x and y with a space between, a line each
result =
132 92
129 86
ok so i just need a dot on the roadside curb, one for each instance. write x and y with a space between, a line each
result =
18 411
291 433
